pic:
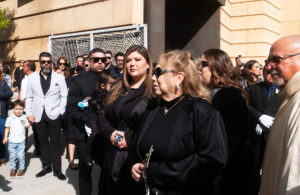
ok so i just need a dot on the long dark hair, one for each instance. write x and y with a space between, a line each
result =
223 72
67 69
246 74
124 84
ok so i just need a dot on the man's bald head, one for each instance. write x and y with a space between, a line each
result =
284 58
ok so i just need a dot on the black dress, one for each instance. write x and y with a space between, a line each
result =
123 115
190 147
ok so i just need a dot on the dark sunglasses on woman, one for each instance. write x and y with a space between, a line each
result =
159 71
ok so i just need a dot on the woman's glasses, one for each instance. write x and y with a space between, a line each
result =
159 71
61 64
204 64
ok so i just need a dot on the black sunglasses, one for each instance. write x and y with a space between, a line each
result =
62 64
86 65
277 59
159 71
45 61
108 58
96 60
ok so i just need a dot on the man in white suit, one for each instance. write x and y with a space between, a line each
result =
46 98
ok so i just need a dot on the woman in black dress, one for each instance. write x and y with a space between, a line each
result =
229 98
186 132
123 107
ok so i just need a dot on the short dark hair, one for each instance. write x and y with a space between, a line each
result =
45 54
119 54
18 103
31 65
108 52
95 50
79 57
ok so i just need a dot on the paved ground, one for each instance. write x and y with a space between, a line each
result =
48 184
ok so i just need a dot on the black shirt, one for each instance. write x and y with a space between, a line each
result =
160 130
45 83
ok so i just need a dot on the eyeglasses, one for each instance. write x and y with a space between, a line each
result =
204 64
277 59
61 64
108 58
86 65
45 61
96 60
159 71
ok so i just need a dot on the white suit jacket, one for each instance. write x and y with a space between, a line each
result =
54 101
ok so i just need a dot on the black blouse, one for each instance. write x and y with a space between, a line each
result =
160 130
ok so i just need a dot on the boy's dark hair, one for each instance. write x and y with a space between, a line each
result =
18 103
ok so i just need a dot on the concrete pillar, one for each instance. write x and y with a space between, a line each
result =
155 19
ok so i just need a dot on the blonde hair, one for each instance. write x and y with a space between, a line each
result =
181 61
122 87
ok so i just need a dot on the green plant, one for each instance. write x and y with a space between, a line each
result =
4 21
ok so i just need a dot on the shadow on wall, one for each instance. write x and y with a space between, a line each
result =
7 42
23 2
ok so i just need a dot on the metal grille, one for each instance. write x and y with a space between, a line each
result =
113 39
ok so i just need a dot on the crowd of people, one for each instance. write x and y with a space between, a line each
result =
183 125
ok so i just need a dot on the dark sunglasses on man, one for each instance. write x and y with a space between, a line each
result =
96 60
45 61
159 71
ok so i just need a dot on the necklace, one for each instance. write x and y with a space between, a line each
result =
167 110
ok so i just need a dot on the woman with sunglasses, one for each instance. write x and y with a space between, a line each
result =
123 107
186 133
230 100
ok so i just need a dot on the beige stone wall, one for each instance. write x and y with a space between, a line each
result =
35 21
290 17
249 27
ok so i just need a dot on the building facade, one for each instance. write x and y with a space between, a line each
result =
240 27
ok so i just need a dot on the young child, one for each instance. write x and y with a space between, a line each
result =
106 80
15 136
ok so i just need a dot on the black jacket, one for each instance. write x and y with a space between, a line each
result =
19 75
258 102
123 120
199 143
5 94
241 175
84 85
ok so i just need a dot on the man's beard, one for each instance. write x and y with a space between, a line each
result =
277 79
46 70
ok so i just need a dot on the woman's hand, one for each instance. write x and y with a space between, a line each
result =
122 144
136 172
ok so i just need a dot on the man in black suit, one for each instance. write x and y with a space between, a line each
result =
264 103
83 87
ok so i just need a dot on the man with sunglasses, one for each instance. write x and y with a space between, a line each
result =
281 166
46 98
82 119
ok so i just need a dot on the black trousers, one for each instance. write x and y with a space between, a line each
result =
36 138
85 171
48 132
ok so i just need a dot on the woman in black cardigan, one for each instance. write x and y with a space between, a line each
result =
228 97
123 107
186 132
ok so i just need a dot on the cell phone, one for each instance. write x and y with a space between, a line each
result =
118 138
